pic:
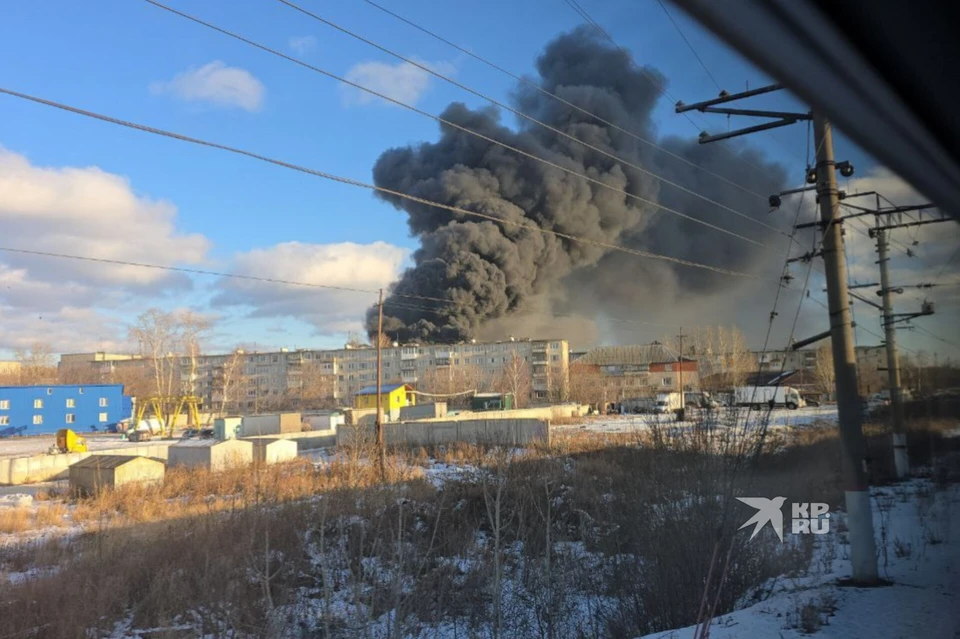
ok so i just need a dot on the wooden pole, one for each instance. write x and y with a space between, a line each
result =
381 452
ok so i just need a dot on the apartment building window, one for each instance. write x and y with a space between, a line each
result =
49 391
80 390
666 381
4 420
71 403
103 402
554 358
38 403
37 419
555 345
103 418
71 418
4 404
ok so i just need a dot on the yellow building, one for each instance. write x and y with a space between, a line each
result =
393 397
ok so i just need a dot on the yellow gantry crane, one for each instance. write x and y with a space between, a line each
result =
167 408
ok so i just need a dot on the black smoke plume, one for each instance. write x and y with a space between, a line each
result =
496 272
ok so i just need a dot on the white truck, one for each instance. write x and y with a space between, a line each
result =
667 403
762 395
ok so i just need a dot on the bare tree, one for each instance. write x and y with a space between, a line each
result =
515 378
36 364
229 382
452 383
823 370
586 384
163 338
723 359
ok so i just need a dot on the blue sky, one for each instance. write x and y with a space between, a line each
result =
124 58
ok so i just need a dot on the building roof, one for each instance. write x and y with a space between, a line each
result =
634 354
385 388
109 461
769 378
36 386
206 443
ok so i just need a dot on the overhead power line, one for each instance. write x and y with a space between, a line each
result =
527 117
576 107
372 187
199 271
285 282
459 127
689 45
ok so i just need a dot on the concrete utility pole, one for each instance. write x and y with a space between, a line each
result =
381 448
901 459
863 550
683 406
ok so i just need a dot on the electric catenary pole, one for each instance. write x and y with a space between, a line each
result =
853 446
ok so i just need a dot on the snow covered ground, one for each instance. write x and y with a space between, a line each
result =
918 533
38 445
779 418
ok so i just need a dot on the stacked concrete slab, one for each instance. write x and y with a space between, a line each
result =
98 472
210 453
501 432
35 468
274 424
423 411
271 451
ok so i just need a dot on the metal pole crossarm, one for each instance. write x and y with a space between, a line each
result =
786 115
705 137
865 193
863 210
871 285
904 209
806 257
906 224
865 300
812 187
726 97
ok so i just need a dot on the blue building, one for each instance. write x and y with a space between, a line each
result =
46 409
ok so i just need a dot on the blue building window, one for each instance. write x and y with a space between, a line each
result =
38 419
4 404
71 418
4 420
37 403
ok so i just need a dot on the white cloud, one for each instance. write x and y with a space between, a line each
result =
402 81
80 211
361 266
215 83
302 45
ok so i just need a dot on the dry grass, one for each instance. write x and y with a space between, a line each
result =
54 514
15 520
241 545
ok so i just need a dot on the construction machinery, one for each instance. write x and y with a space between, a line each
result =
167 409
68 442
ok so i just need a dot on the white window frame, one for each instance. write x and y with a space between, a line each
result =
4 420
71 418
103 418
4 404
38 403
71 402
666 381
37 420
103 402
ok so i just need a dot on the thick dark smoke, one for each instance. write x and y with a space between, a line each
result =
497 272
